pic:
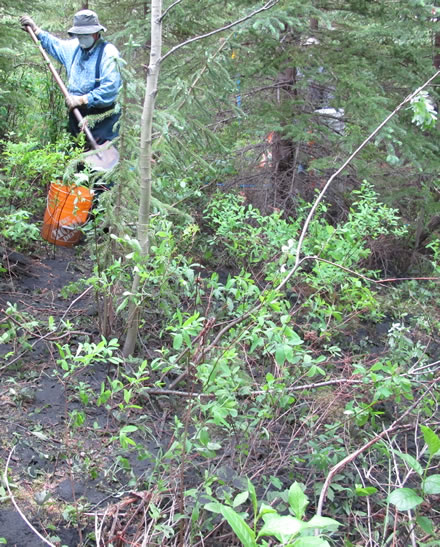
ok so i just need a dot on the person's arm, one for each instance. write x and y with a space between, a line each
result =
106 93
61 50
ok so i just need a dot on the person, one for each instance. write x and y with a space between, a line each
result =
93 76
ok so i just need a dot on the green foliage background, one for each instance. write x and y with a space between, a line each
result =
219 317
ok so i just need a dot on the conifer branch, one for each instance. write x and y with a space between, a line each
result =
267 6
169 8
347 162
170 209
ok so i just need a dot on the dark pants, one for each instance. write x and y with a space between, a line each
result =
101 131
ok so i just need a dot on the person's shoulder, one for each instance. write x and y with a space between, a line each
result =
70 43
111 50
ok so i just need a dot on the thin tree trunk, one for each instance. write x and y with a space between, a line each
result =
146 141
145 166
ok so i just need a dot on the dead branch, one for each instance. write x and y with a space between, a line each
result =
348 161
393 427
6 481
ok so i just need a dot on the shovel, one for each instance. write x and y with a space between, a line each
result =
104 157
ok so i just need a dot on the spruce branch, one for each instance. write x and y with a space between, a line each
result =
170 209
169 8
267 6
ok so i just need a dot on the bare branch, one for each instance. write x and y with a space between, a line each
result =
267 6
76 300
366 278
165 391
336 468
6 481
165 13
350 159
315 385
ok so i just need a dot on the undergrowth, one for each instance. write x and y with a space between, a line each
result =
260 404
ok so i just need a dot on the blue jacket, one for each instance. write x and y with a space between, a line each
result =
81 69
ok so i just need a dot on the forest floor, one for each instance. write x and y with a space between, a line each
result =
53 471
69 471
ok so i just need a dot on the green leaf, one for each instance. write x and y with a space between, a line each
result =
128 429
295 339
367 491
240 498
213 506
425 524
432 484
298 501
411 461
265 509
322 522
310 542
404 499
253 496
431 439
280 355
283 528
241 529
204 436
177 341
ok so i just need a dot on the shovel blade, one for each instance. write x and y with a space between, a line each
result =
102 159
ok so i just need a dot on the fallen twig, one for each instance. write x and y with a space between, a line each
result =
76 300
314 386
336 468
174 392
47 338
5 479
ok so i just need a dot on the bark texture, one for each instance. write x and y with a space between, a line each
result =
145 156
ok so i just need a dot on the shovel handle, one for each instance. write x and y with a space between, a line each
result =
63 88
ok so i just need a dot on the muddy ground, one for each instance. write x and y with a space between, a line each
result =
53 466
66 468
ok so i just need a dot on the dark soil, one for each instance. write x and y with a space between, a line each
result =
61 449
54 466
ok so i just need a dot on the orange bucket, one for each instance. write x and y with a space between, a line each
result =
67 210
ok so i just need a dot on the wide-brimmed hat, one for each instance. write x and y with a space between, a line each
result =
86 22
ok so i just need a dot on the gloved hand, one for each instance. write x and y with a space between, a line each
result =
74 101
26 21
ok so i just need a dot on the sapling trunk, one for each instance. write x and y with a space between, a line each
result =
145 154
145 175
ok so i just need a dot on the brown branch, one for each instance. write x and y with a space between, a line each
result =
159 391
313 386
76 300
169 8
336 468
366 278
46 338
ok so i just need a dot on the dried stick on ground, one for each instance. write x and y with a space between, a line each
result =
336 468
5 479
